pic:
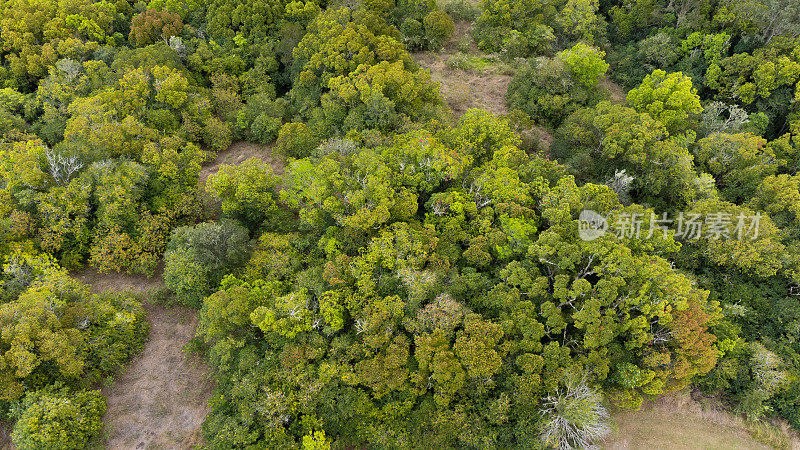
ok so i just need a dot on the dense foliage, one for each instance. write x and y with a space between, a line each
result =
57 340
436 276
59 418
407 279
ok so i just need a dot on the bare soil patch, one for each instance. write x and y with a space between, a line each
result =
463 89
237 153
5 435
118 282
161 398
618 94
676 422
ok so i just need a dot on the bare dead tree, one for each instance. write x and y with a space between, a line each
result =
61 167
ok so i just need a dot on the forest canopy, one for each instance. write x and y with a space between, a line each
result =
385 273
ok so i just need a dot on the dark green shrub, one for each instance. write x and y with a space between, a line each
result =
265 128
217 134
117 328
198 257
547 91
438 28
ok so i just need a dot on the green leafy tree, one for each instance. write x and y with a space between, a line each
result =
585 63
549 90
597 142
738 162
246 191
757 251
580 21
670 99
251 21
529 21
337 42
296 140
59 418
198 257
438 28
54 330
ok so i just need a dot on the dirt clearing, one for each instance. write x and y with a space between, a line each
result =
237 153
616 91
464 89
118 282
161 398
482 84
678 422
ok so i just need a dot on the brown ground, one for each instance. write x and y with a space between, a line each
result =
545 137
677 422
238 153
465 89
161 399
616 91
462 89
117 282
5 435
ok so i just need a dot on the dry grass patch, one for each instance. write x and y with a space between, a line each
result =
470 79
237 153
678 422
118 282
462 89
161 399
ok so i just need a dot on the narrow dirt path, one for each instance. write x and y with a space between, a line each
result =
617 92
5 435
161 399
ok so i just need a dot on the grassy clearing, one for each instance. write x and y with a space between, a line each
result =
479 63
678 422
467 77
161 399
471 79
